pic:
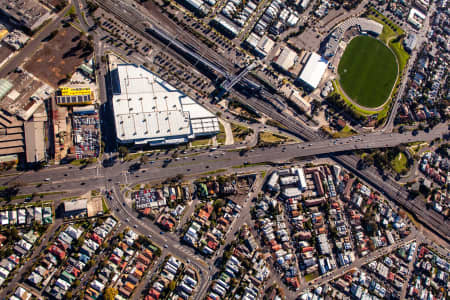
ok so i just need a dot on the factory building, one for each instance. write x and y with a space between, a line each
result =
29 14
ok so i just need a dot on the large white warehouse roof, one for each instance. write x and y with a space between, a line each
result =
313 70
149 110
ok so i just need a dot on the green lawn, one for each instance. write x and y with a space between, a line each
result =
221 136
399 163
104 206
390 30
368 71
268 138
312 276
201 142
387 34
402 55
240 132
344 132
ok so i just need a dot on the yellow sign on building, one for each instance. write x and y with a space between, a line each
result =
3 33
66 91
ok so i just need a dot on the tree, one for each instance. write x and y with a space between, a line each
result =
92 6
123 151
72 13
52 34
219 203
68 295
172 285
110 293
12 234
76 283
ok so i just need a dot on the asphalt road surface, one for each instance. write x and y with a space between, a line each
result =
68 177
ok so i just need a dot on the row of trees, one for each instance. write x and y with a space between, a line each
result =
338 103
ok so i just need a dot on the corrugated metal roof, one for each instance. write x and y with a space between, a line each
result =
5 87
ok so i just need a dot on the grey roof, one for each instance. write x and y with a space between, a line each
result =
75 205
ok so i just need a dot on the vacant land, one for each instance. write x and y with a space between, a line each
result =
269 139
5 51
240 132
221 136
201 142
368 71
344 132
58 57
400 163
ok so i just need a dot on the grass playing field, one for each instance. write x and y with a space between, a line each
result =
367 70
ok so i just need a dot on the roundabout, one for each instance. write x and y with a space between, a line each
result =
368 70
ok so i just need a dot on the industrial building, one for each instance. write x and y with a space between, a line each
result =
313 71
11 136
261 46
149 110
410 42
34 141
286 59
416 18
228 28
29 14
22 118
198 6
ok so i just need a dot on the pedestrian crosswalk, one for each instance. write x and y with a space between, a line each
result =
183 249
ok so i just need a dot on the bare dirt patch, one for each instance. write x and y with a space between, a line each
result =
5 51
59 57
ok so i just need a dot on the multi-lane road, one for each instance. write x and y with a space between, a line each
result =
200 161
67 177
